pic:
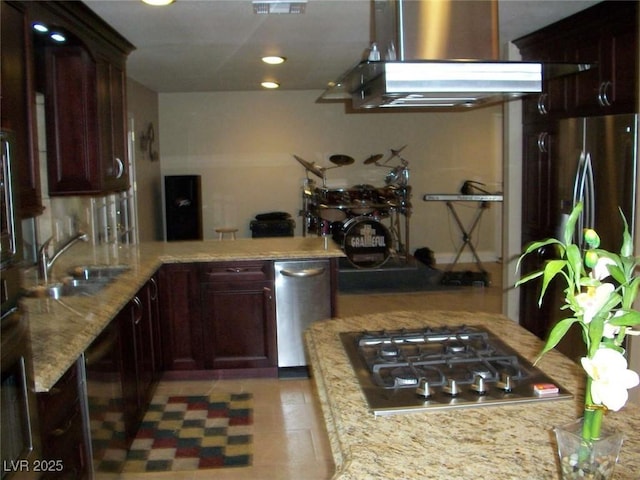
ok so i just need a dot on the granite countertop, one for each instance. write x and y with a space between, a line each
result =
61 330
504 441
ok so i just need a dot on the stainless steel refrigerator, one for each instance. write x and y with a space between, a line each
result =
597 162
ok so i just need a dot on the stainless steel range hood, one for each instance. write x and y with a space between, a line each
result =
436 53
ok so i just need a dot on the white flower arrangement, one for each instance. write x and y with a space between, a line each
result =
601 289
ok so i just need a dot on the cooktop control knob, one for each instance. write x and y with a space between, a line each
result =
478 385
505 383
423 389
451 387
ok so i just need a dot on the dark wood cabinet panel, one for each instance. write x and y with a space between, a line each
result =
537 174
86 142
604 36
219 317
71 113
16 104
137 343
62 429
238 317
84 81
239 325
180 317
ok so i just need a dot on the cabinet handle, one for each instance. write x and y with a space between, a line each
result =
267 293
308 272
543 142
59 432
234 270
138 303
542 104
120 169
603 94
154 288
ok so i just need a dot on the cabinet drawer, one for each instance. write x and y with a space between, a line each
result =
54 406
236 271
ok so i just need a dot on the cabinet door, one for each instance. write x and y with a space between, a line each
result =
154 312
61 425
16 105
72 128
111 84
180 317
137 353
538 179
239 325
537 200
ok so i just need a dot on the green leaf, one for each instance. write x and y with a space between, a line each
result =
557 332
627 241
570 226
529 277
574 262
630 292
628 319
551 269
533 247
596 329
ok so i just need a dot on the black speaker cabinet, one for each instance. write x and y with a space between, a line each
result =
183 206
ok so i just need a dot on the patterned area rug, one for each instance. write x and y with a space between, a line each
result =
181 433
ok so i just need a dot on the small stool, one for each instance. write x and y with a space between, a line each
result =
221 232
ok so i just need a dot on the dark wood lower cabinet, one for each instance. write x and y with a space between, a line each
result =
64 447
218 319
180 317
239 326
138 371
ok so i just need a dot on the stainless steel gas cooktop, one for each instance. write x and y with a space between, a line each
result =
407 370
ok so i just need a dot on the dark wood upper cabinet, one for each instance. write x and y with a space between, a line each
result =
16 103
604 36
84 82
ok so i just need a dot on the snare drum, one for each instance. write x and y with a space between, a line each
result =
363 199
365 241
331 204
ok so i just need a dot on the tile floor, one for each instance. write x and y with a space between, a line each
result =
290 439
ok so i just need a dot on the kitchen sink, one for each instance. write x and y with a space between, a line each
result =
90 272
67 288
84 280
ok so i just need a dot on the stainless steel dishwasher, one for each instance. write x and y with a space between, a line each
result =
303 295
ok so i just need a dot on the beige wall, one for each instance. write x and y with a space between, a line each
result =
242 145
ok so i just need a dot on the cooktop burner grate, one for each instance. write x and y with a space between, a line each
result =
435 368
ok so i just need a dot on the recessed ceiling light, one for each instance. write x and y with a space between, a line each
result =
58 37
273 60
270 85
40 27
158 3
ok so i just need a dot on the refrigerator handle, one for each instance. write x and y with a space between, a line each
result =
590 200
579 188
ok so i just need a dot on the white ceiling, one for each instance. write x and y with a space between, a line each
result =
216 45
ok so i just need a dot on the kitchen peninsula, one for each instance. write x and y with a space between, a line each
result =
63 329
503 441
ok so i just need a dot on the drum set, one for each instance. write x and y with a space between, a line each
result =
354 216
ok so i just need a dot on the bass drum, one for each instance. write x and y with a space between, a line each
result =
365 241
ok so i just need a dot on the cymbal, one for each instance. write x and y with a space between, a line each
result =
373 159
395 153
311 167
341 160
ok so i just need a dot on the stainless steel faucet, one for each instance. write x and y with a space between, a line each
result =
45 264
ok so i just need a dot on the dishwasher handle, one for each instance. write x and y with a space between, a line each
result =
305 273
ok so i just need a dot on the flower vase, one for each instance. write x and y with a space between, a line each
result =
581 460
